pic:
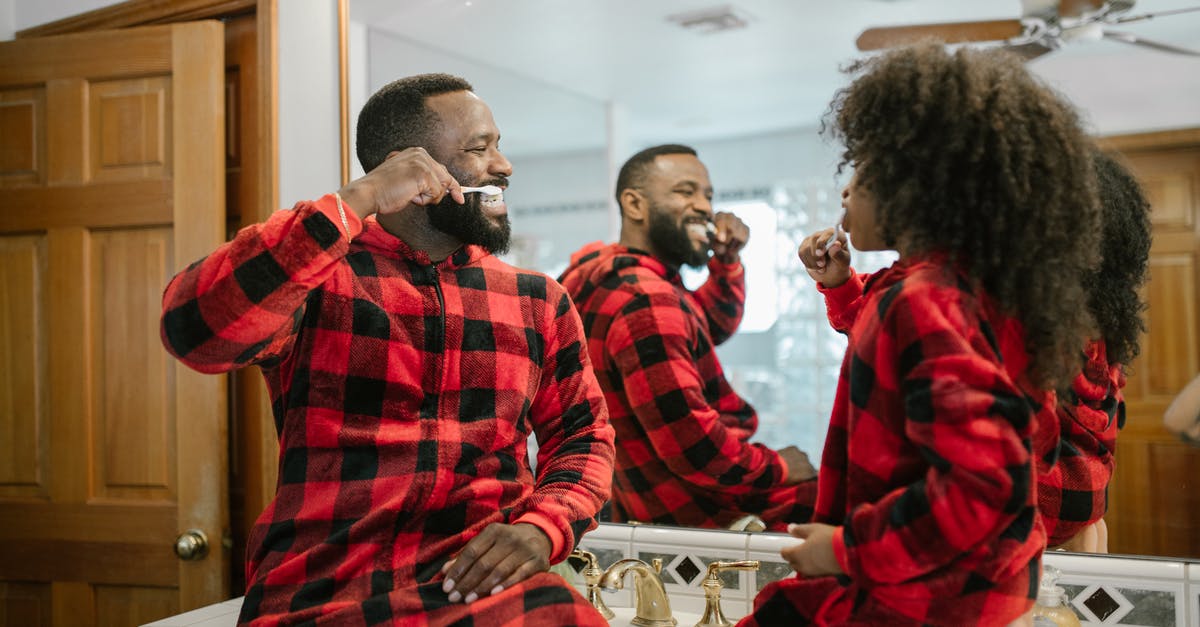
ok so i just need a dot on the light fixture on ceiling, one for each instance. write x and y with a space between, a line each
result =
711 20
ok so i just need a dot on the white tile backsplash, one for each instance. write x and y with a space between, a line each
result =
1128 591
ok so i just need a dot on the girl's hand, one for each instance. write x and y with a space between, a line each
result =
815 557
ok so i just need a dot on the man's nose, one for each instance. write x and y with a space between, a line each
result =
500 166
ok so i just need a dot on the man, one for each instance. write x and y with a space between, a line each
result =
407 366
683 450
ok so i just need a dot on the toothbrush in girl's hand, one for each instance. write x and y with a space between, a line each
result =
837 230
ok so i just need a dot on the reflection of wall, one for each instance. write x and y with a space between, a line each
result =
526 109
789 372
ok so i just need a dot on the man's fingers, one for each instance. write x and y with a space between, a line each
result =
511 570
465 571
449 183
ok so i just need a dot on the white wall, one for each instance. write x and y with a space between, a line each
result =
27 13
7 20
309 141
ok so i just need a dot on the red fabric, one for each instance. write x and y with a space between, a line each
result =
683 450
1074 439
1075 447
927 469
403 392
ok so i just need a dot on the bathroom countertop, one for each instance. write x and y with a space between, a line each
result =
225 614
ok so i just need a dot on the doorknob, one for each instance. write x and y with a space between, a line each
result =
191 545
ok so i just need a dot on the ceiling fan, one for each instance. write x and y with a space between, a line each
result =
1044 26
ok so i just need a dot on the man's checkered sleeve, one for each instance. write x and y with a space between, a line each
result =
723 298
968 420
575 441
242 304
650 345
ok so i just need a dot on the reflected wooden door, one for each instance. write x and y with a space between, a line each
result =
111 177
1155 493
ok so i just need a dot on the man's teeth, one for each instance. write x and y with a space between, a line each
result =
491 199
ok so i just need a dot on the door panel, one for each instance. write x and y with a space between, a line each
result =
1152 508
116 178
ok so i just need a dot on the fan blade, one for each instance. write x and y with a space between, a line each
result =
1150 16
1075 8
1028 52
950 33
1130 38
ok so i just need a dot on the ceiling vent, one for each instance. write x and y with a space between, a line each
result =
711 20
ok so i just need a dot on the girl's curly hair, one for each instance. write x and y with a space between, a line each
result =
1112 287
968 154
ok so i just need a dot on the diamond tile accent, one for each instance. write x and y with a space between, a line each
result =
667 558
687 569
1102 603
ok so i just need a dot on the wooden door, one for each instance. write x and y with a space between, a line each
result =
1155 493
111 178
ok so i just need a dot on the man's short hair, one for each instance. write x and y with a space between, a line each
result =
633 173
396 117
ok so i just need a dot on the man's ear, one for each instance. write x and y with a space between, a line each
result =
633 204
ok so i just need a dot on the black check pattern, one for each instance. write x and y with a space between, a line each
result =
404 392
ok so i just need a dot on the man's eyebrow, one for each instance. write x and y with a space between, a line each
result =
483 137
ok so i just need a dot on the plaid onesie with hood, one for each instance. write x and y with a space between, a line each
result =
927 471
683 450
404 391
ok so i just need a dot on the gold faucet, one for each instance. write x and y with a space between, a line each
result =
713 616
653 608
591 577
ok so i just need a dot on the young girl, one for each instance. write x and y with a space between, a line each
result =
1075 444
980 178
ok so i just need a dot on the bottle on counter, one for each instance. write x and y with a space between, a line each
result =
1052 608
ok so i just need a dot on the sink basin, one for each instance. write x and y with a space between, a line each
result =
626 614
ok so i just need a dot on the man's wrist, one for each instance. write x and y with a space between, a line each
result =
357 199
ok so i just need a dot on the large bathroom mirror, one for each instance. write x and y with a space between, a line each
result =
576 87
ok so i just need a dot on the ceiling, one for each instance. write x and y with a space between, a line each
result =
551 68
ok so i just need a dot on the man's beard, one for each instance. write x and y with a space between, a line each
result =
467 222
672 242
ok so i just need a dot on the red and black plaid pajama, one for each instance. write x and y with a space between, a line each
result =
683 450
403 392
927 471
1074 439
1075 447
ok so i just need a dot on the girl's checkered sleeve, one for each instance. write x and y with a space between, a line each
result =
242 304
1073 492
843 302
575 442
963 414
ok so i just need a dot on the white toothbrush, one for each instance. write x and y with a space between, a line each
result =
837 230
486 190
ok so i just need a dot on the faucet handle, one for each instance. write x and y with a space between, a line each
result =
591 578
713 616
587 557
719 566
